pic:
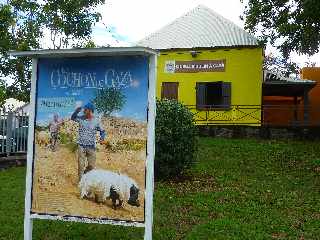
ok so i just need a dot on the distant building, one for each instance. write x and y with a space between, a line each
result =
210 64
25 108
286 100
216 69
313 73
19 109
14 122
11 104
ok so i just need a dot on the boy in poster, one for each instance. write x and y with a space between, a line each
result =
54 127
88 126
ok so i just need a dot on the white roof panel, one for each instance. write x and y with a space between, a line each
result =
274 77
199 28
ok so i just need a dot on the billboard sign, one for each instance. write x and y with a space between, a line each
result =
91 137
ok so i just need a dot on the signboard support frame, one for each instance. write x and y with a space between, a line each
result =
150 147
27 218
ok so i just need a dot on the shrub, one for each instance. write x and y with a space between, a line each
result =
176 139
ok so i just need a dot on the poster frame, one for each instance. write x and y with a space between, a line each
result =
149 179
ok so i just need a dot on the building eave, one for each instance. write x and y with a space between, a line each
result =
85 52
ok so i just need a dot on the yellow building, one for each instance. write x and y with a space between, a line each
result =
212 66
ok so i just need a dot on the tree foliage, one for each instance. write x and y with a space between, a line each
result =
3 95
291 25
108 100
280 65
25 23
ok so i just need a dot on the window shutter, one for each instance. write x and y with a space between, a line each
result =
174 90
226 95
169 90
201 95
164 91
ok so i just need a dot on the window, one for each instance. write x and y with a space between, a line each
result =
169 90
216 95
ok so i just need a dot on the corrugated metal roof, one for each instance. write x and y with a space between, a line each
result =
80 52
199 28
274 77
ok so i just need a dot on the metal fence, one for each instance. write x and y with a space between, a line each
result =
13 131
257 115
231 115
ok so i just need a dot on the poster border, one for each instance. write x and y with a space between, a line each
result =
29 215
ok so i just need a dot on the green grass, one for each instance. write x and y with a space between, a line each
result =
239 189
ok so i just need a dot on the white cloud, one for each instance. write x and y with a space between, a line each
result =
302 60
137 19
135 84
116 114
134 20
104 36
125 22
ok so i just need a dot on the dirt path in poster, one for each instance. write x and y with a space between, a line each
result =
55 182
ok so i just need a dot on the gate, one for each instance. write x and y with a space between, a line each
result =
13 131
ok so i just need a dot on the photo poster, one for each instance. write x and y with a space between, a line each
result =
90 139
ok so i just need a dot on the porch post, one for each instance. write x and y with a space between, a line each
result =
306 110
295 111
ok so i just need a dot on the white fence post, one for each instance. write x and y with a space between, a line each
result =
9 141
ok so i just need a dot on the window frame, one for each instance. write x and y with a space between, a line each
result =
225 96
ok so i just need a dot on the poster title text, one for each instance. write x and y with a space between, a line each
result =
65 78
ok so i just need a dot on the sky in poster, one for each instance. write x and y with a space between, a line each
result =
65 83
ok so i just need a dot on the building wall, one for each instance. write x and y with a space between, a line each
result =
281 111
243 68
313 73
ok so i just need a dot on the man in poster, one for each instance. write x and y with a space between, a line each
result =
88 126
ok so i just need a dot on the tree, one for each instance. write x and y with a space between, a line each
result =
108 100
25 23
3 95
280 65
290 25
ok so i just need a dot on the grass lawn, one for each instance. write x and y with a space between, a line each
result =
239 189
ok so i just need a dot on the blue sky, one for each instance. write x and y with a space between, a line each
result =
64 84
109 35
134 20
